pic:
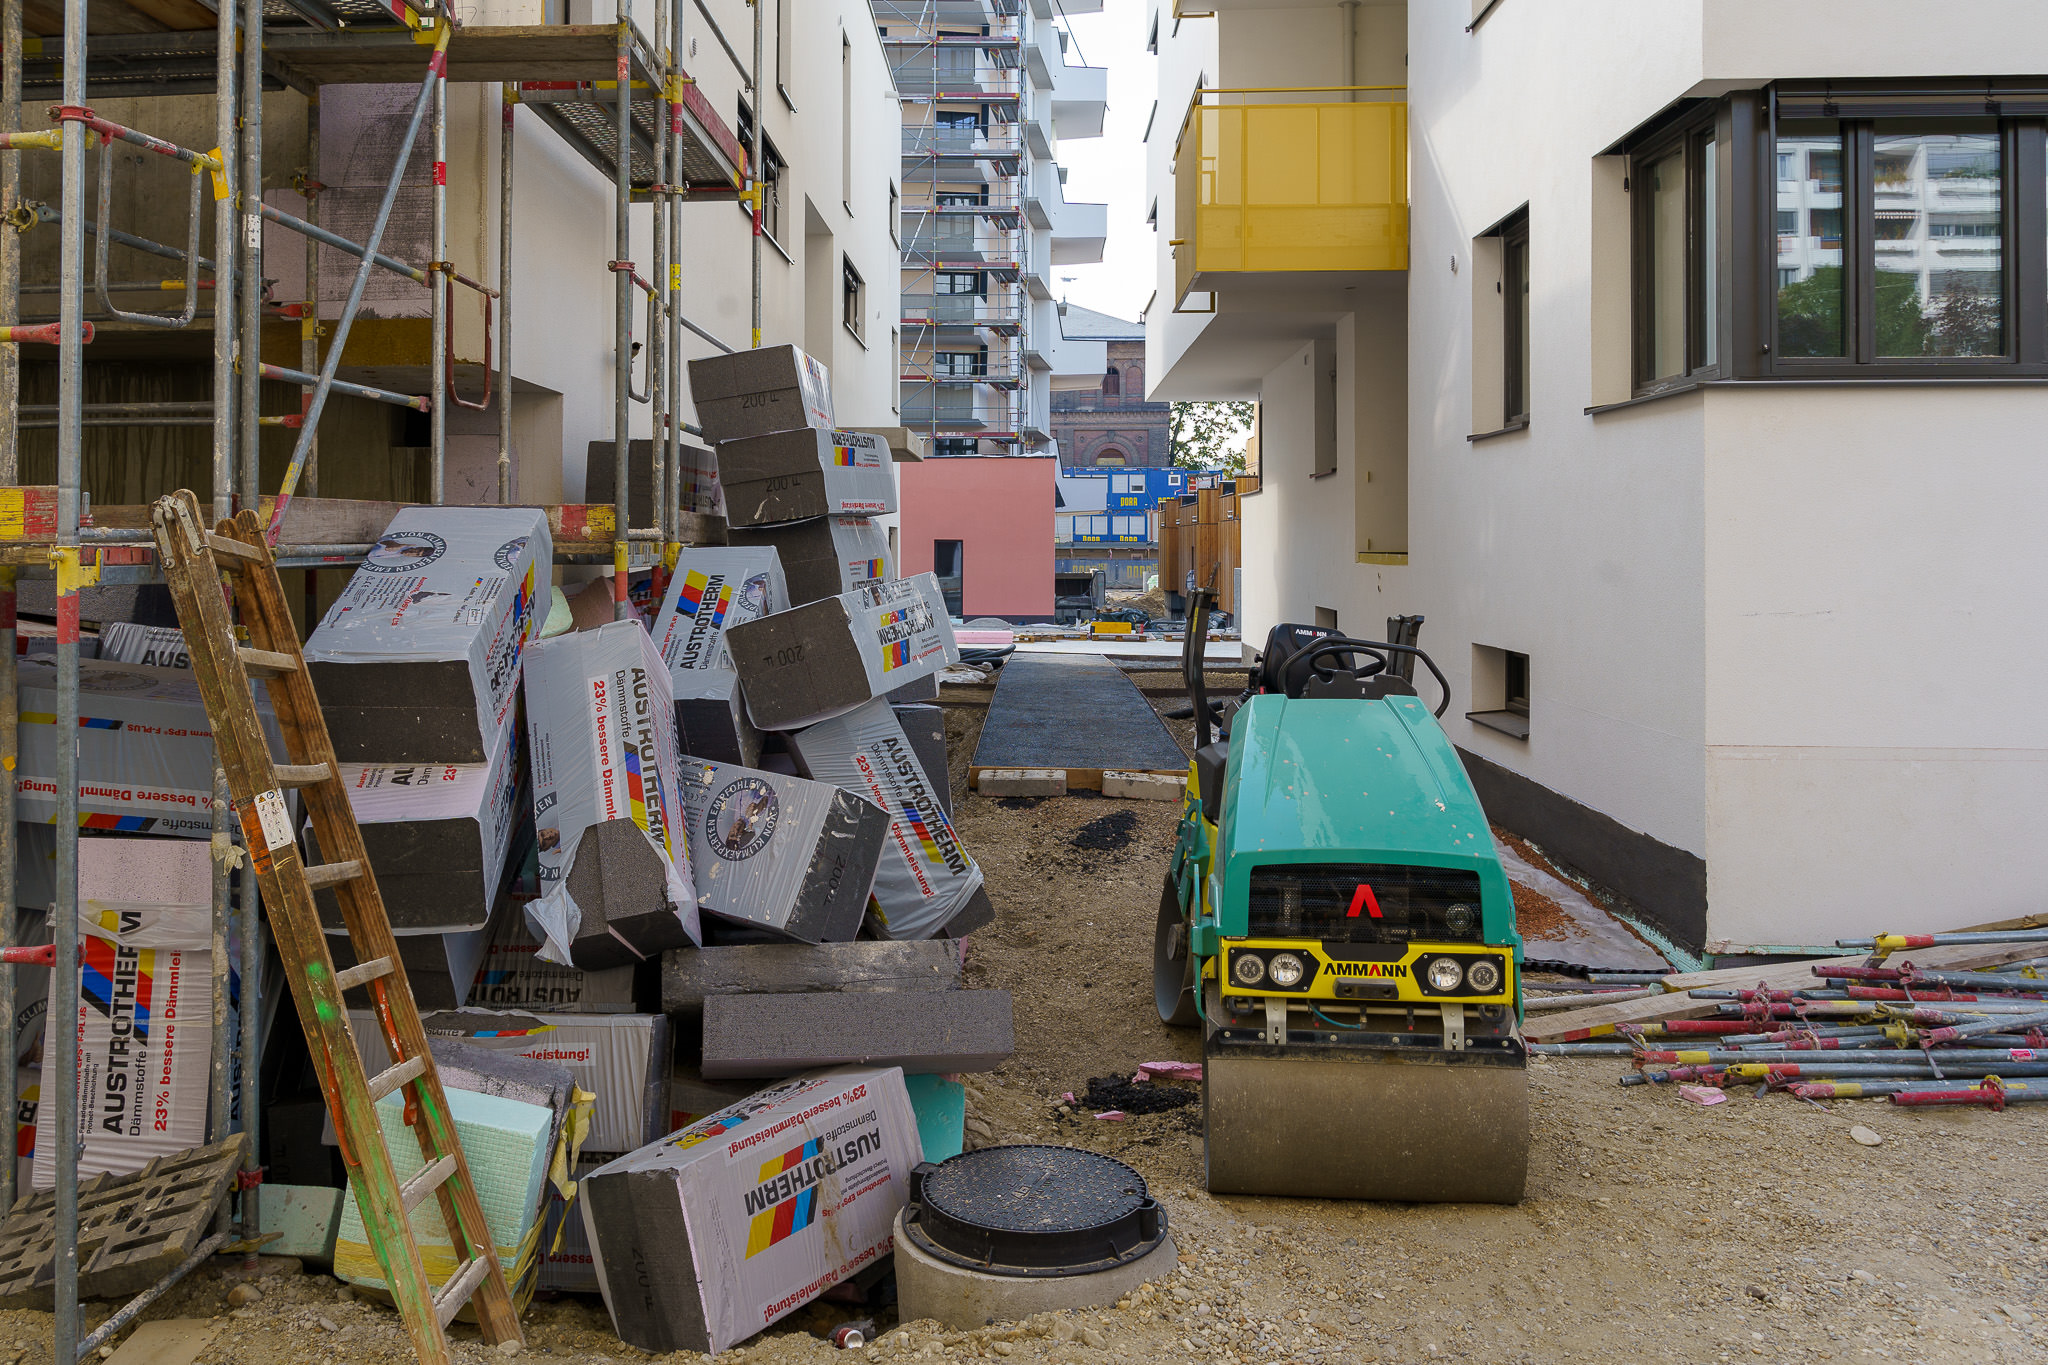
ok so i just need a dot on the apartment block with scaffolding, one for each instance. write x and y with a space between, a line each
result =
988 88
274 252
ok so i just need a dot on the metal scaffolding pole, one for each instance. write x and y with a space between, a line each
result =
10 473
438 271
62 1130
250 202
622 316
510 100
670 489
756 168
657 296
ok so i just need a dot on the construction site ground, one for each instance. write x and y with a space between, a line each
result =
1653 1229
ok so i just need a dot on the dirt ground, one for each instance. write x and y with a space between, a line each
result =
1653 1230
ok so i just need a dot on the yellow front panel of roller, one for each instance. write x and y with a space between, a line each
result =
1407 977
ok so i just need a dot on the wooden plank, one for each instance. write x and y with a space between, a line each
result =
1600 1020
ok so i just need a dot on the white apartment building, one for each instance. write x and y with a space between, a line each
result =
1682 365
988 90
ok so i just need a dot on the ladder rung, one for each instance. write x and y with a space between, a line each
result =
456 1292
348 978
234 549
426 1182
266 662
328 874
388 1080
301 774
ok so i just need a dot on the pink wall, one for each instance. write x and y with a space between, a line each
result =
1001 509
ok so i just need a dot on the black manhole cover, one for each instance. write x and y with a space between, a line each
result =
1033 1210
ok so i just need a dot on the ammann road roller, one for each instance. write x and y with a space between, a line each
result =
1337 924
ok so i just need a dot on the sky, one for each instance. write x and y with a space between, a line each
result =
1111 169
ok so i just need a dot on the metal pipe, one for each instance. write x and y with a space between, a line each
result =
10 474
290 376
226 73
437 298
668 487
250 299
344 245
132 1309
309 325
436 65
746 81
101 243
45 214
1573 1002
657 321
756 168
622 314
1892 943
62 1131
509 97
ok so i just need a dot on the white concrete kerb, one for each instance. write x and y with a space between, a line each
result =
962 1299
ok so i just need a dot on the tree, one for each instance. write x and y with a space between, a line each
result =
1211 435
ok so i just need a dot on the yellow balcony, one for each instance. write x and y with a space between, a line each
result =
1283 183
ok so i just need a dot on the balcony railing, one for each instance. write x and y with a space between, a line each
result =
962 309
986 140
1290 181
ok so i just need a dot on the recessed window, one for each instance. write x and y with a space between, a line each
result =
771 177
1674 195
1500 691
895 216
853 299
1112 382
1514 319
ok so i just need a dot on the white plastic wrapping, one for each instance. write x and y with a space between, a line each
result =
714 589
925 877
600 718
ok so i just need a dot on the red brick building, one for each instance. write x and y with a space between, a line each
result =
1110 424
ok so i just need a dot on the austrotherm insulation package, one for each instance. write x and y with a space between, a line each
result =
770 388
418 659
145 748
791 475
925 878
713 1233
810 663
614 872
714 589
823 557
145 1005
781 852
437 835
623 1059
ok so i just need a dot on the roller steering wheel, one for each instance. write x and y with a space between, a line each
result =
1377 661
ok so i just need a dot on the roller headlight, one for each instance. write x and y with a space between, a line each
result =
1445 975
1461 918
1285 969
1247 969
1483 976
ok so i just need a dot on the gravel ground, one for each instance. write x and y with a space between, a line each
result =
1653 1230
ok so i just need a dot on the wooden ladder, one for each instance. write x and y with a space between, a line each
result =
193 560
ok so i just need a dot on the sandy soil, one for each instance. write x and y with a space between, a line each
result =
1653 1230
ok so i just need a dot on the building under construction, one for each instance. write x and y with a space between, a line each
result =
322 258
989 87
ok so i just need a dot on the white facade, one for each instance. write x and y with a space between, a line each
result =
1779 637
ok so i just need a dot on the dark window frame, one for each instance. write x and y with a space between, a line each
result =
853 296
1686 132
2023 189
1514 317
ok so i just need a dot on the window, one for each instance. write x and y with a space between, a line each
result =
1112 457
895 216
1500 691
949 566
1112 382
1514 320
1674 191
958 282
852 298
771 178
961 364
952 446
782 62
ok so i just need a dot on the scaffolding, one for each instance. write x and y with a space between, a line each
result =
965 230
622 102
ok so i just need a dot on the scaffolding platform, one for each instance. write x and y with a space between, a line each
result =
1078 714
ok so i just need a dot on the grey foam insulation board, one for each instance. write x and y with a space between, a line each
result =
825 556
794 475
418 659
751 393
925 728
821 660
691 976
781 853
621 886
978 913
923 1032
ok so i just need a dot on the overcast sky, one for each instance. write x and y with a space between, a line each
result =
1111 169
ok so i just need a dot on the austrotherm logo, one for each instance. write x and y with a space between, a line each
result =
785 1200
